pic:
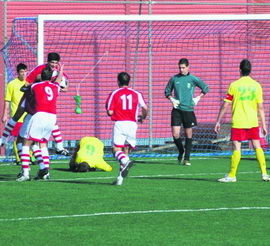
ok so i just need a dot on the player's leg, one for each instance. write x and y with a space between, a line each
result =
25 159
235 160
119 143
261 159
13 121
188 146
41 126
189 121
9 126
43 173
176 121
57 135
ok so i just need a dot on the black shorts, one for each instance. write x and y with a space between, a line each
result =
185 118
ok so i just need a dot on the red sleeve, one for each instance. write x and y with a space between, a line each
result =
32 76
107 101
229 97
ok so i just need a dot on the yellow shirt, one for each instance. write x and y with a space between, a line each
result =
14 95
91 152
245 94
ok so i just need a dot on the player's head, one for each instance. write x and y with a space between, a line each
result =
21 71
82 167
245 67
46 74
123 79
183 65
53 59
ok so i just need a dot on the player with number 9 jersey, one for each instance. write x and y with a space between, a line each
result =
45 94
41 124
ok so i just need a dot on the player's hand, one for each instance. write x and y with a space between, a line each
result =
196 100
140 119
217 127
264 131
4 119
174 102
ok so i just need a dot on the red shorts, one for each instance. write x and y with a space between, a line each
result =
240 134
16 129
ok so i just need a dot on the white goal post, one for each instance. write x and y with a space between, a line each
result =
94 48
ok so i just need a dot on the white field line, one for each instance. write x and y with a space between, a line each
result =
141 176
132 212
153 176
139 160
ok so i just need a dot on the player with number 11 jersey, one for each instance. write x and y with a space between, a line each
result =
125 102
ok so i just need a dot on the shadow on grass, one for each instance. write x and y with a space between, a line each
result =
78 182
68 170
62 169
7 177
171 162
178 178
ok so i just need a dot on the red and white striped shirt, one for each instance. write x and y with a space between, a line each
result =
125 103
45 94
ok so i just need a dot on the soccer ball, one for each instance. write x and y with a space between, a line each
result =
64 82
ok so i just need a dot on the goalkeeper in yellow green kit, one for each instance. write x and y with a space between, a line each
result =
88 156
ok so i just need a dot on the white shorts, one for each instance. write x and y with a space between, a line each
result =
25 126
41 125
124 134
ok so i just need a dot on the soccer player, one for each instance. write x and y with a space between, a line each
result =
53 60
35 75
123 106
12 99
88 156
245 97
41 123
183 85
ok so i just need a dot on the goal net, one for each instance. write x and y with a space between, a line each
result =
95 48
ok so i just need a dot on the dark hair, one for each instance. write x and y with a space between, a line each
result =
183 61
46 74
53 57
123 78
21 66
83 167
245 67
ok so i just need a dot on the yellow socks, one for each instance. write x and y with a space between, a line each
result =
261 160
235 160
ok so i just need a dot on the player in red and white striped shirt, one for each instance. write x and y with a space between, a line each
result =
41 123
34 76
123 106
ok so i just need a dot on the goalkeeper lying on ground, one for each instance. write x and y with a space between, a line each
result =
88 156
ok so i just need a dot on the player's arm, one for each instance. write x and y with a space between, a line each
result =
8 98
221 113
262 118
204 90
108 105
168 93
144 114
5 112
109 112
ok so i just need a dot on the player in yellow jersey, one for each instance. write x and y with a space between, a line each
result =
12 99
88 156
245 97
